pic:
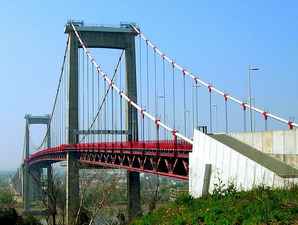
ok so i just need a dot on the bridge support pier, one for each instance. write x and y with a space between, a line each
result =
133 195
31 186
49 183
72 188
72 173
50 194
25 184
35 183
17 181
133 178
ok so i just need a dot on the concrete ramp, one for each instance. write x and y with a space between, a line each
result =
278 167
233 161
281 144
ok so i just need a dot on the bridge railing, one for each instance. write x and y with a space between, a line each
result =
162 145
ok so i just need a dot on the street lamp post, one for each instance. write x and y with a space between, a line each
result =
187 112
216 119
253 102
196 86
250 68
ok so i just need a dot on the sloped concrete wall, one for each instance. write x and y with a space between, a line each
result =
282 145
273 142
227 165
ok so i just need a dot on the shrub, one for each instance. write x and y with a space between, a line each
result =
261 205
6 197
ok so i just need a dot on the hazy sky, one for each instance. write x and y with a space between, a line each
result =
217 40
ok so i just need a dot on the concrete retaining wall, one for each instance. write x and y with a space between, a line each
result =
281 144
273 142
228 165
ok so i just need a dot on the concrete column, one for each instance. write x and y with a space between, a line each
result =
72 173
17 181
133 192
25 170
133 178
35 183
27 137
207 178
26 204
20 177
49 170
49 134
50 195
50 185
131 88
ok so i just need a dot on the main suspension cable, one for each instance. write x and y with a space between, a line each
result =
57 92
291 124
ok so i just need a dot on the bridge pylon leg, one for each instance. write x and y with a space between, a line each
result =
35 183
133 178
50 194
72 189
25 183
25 187
72 173
133 192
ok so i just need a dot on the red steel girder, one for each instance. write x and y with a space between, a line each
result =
165 158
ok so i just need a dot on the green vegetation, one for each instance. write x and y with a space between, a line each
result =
8 205
9 216
6 197
227 206
4 178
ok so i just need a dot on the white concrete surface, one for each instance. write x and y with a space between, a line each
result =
229 166
273 142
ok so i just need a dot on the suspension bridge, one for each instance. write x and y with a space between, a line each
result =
150 114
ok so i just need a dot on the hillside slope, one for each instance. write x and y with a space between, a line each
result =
226 206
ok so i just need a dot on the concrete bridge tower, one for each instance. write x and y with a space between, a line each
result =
31 175
122 37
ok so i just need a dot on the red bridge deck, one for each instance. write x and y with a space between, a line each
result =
166 158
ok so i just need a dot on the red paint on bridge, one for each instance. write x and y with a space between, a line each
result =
164 157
